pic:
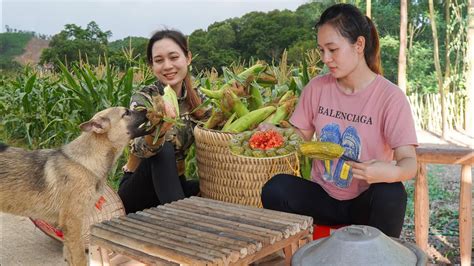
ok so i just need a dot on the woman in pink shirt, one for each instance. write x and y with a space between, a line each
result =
355 106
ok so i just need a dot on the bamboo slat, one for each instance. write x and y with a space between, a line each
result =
254 243
147 245
250 224
164 239
229 212
304 220
176 228
132 253
180 235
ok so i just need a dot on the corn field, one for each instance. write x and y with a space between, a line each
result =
43 109
426 111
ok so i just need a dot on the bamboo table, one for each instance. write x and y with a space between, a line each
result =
447 153
200 231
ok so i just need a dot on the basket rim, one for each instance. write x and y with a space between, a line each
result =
216 131
269 158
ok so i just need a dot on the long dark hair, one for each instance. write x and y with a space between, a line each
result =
351 24
192 99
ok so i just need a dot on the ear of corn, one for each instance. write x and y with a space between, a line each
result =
321 150
214 94
229 121
266 79
255 100
253 71
289 94
215 119
170 97
282 112
235 103
251 119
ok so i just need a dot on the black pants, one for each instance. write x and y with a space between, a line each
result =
381 206
155 182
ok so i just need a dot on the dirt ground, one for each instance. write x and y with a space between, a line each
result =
32 51
21 243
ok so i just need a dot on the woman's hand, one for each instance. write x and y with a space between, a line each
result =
132 164
169 113
374 171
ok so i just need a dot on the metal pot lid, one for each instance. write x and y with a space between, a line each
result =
358 245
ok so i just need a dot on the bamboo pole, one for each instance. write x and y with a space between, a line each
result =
236 213
104 245
232 243
254 213
168 239
147 246
258 211
254 241
255 227
251 244
176 234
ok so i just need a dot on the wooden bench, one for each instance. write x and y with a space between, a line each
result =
199 231
435 151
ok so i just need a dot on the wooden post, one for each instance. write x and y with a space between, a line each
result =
465 215
421 208
105 256
95 256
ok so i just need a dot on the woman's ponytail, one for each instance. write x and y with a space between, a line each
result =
372 49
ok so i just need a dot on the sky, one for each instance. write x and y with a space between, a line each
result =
129 18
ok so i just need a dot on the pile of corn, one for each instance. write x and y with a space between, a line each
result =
267 143
251 101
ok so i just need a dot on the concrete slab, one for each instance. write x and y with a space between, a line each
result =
21 243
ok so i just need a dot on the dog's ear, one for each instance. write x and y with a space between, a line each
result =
99 125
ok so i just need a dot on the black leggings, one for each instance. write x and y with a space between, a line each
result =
381 206
155 182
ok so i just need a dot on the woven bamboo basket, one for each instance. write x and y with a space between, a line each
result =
109 206
236 179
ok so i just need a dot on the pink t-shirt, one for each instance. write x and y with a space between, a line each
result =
369 124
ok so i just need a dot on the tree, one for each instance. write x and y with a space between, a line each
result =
402 54
439 74
368 8
75 43
470 71
256 35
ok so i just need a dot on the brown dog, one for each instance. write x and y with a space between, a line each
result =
62 185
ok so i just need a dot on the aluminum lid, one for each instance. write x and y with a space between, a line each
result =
359 245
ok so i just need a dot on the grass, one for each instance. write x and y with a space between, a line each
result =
443 220
437 193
